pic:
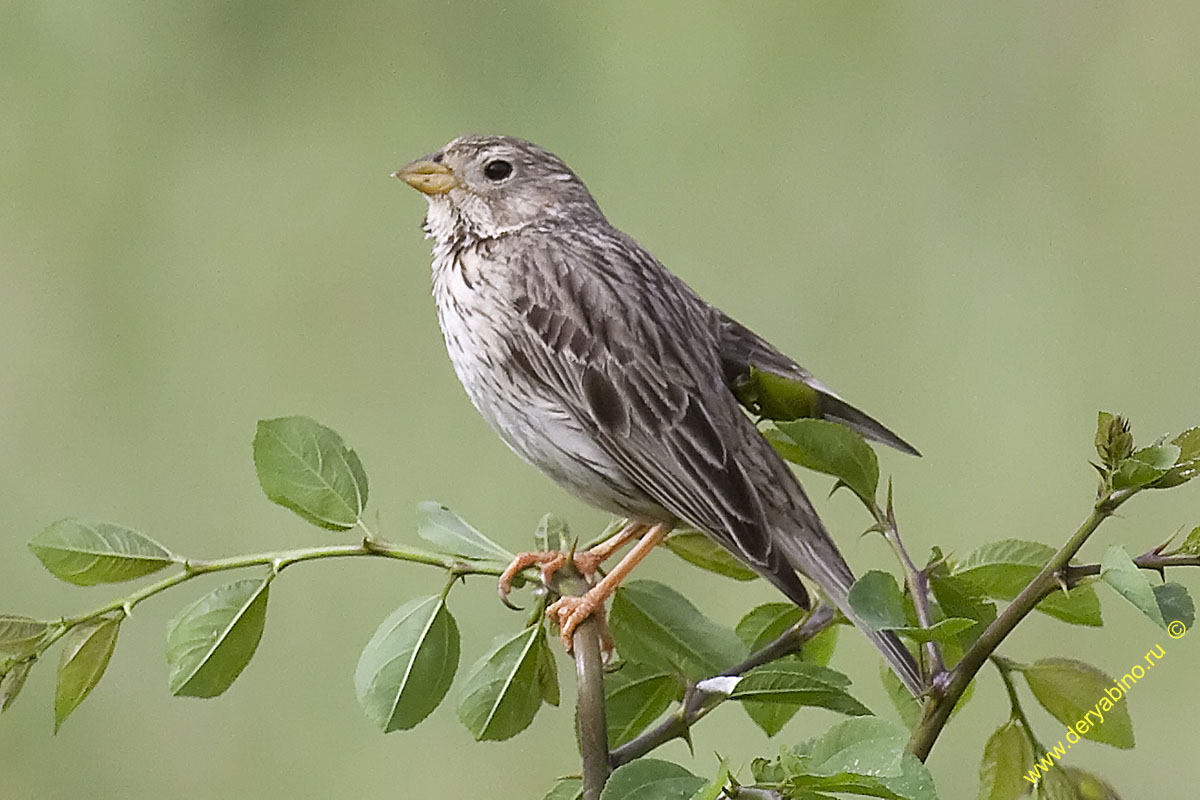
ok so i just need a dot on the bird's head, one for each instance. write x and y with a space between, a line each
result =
486 186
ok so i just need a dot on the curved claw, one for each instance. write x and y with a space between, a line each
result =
548 560
503 591
504 583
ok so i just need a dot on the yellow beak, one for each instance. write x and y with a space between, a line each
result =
427 177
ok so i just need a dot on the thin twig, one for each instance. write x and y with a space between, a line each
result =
788 642
277 561
1151 560
698 703
917 580
1017 711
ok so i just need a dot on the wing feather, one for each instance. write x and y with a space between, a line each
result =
655 405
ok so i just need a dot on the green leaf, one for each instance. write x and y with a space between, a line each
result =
12 681
819 649
1118 571
655 625
714 789
914 782
212 640
859 746
1080 606
20 636
1002 569
634 697
1188 443
942 631
1007 759
1159 456
766 623
1191 545
773 693
86 651
876 599
1056 785
547 674
651 779
552 533
307 468
1175 603
1145 466
830 448
505 687
408 665
1073 691
1187 465
566 789
864 755
957 598
1132 473
447 532
1089 786
90 553
696 548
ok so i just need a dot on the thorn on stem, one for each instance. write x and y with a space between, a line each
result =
1061 579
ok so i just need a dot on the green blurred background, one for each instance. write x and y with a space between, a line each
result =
979 222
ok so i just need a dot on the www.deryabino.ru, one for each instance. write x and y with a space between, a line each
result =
1094 716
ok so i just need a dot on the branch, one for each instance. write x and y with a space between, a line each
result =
1152 560
698 701
1016 711
937 712
278 561
589 698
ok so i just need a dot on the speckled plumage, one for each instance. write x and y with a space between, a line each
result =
601 368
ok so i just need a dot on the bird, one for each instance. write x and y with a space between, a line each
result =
610 375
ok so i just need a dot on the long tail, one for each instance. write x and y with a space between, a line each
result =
814 554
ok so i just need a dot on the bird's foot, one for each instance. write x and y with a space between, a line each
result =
549 562
588 563
570 612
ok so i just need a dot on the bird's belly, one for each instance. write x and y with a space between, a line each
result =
532 423
544 435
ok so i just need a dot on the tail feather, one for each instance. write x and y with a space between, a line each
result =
817 557
898 657
836 409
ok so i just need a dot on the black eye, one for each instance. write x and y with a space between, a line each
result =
497 170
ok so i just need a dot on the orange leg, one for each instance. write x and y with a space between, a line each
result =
569 611
589 561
